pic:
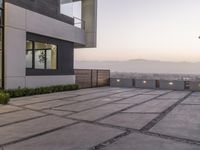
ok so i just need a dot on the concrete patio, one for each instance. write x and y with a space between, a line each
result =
103 118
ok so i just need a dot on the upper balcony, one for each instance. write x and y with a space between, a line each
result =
73 9
84 13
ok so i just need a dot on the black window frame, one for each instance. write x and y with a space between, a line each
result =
45 63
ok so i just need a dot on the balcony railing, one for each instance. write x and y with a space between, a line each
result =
79 23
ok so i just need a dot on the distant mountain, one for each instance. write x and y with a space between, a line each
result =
142 66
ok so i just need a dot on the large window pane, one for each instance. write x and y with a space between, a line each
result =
52 58
45 55
29 59
1 3
40 59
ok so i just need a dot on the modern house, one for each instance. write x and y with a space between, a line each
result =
38 38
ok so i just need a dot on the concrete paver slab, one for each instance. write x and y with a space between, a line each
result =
193 100
117 90
25 129
18 116
167 99
40 98
54 96
175 95
82 106
57 112
88 104
48 104
8 108
99 112
144 142
195 94
154 106
95 90
89 96
158 92
27 101
183 122
109 99
127 94
136 121
77 137
37 100
18 123
137 99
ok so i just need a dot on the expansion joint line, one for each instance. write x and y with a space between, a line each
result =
163 114
144 130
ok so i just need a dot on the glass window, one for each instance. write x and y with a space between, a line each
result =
45 55
29 59
1 3
40 59
51 58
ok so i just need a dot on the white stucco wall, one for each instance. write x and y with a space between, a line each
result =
18 21
39 81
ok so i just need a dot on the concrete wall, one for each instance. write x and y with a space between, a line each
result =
195 85
89 15
153 84
18 21
172 85
39 81
120 82
150 84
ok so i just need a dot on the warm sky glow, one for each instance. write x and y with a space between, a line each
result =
146 29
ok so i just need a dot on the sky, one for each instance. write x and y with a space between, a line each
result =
165 30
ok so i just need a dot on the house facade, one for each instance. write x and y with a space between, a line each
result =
38 38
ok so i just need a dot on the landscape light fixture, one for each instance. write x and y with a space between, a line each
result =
118 80
171 83
144 82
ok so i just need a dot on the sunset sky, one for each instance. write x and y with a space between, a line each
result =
146 29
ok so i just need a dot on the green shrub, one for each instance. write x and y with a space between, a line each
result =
4 98
20 92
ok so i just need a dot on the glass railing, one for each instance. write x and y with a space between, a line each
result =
66 7
79 23
72 9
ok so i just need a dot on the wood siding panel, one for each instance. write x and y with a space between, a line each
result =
87 78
